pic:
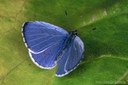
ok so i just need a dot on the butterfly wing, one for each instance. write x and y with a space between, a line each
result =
39 35
47 58
44 41
71 57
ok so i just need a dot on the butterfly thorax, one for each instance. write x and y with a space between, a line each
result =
70 38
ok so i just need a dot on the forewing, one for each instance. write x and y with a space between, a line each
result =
44 42
40 35
71 57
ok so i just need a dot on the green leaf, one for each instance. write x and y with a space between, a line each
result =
102 25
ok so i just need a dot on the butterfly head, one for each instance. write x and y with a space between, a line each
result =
74 32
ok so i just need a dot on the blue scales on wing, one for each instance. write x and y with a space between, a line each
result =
44 41
47 58
71 57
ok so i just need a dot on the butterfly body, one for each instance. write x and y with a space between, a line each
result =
70 38
50 45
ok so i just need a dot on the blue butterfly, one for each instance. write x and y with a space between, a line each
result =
50 45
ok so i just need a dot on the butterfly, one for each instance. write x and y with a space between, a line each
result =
49 46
